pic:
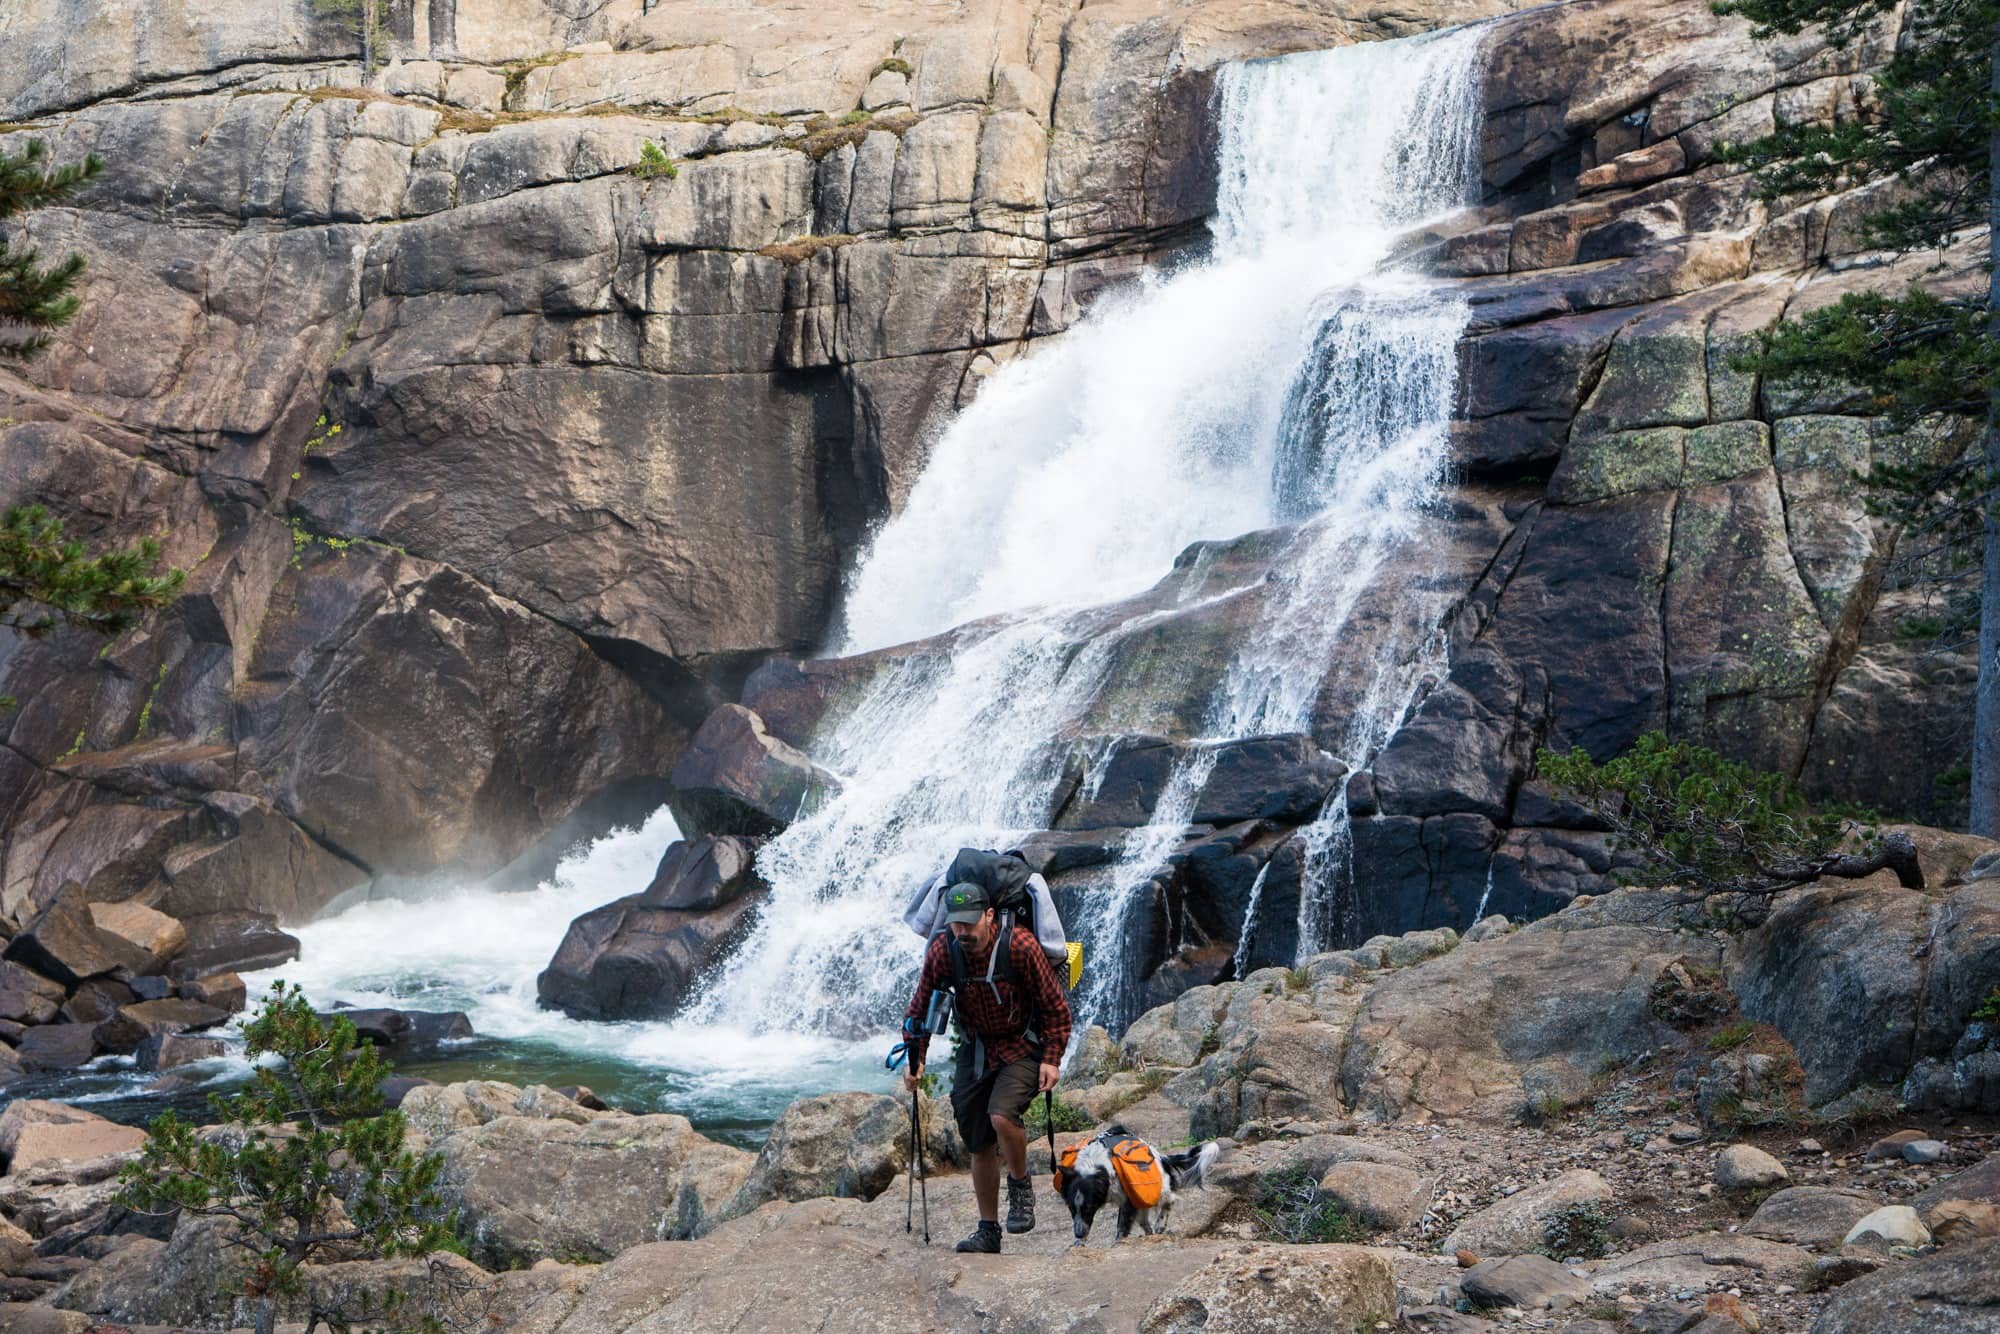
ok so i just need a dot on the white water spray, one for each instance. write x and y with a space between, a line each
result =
1281 379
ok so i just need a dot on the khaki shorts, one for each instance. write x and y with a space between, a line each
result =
1004 1092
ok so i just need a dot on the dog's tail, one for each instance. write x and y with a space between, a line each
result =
1190 1166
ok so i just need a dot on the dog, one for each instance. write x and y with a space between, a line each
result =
1118 1163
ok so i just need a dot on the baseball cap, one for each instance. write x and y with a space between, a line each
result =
965 902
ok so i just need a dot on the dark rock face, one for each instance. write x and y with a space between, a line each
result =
631 959
736 778
232 942
406 1033
704 873
57 1046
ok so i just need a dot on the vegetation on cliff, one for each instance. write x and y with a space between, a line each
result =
45 579
309 1166
1930 141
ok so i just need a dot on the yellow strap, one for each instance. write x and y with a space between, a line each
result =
1074 949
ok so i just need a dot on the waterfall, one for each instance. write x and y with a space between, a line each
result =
1282 380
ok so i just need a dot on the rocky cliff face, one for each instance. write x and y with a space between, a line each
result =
494 465
452 417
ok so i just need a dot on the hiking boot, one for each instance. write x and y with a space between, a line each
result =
985 1239
1020 1204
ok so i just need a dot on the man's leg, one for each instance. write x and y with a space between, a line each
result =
986 1184
1013 1139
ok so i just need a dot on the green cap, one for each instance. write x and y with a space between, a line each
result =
965 902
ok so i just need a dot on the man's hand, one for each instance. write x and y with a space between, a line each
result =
1049 1077
913 1075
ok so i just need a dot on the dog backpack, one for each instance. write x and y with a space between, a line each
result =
1140 1175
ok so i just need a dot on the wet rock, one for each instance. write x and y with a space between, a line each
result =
404 1034
1746 1167
231 942
1530 1282
630 960
166 1051
1519 1223
1815 1216
703 873
843 1144
57 1046
1285 778
1956 1289
133 1024
736 778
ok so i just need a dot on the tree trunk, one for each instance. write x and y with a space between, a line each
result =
267 1314
1984 816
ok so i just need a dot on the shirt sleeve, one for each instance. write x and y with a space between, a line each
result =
1052 1014
929 978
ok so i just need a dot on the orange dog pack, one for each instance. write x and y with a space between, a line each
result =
1140 1175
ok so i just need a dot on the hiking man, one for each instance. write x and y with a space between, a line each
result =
1014 1024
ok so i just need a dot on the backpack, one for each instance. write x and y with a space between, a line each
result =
1022 898
1140 1175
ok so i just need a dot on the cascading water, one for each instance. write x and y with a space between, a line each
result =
1281 379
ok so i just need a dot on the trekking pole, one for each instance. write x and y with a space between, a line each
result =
917 1154
910 1186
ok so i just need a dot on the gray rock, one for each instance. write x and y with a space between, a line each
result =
1530 1282
1891 1225
631 960
231 942
1377 1195
1746 1167
1518 1223
1923 1151
736 778
703 873
844 1145
1815 1216
1956 1289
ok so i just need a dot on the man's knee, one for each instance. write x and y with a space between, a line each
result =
1004 1124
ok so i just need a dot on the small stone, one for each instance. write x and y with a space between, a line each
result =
1809 1146
1680 1132
1746 1167
1730 1307
1706 1190
1923 1151
1895 1224
1891 1146
1466 1259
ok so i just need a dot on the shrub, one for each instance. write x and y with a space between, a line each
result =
654 164
1580 1230
1068 1117
1290 1207
1712 826
1731 1036
310 1167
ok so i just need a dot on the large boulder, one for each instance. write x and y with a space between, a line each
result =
736 778
404 1034
1272 1291
1957 1289
64 943
1519 1223
844 1144
632 960
1815 1216
434 1111
1867 983
232 942
536 1188
24 1113
702 873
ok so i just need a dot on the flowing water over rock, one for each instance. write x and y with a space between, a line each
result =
1280 380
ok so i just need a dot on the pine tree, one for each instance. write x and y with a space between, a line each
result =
45 580
309 1167
1928 352
35 300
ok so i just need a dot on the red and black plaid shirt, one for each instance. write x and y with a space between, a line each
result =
1031 998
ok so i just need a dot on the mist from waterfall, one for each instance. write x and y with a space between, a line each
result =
1281 379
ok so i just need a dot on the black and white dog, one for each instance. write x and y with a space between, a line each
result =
1117 1163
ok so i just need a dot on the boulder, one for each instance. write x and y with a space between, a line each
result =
1285 778
631 960
42 1143
1957 1221
1747 1167
703 873
1957 1289
1531 1282
224 991
529 1189
404 1034
736 778
1267 1291
1377 1195
166 1051
133 1024
25 1112
436 1110
231 942
57 1046
843 1144
146 929
96 1000
26 996
1519 1223
1981 1181
1815 1216
62 942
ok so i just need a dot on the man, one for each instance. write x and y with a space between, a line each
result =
1015 1027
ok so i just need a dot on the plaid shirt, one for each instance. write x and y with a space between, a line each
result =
1001 1024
